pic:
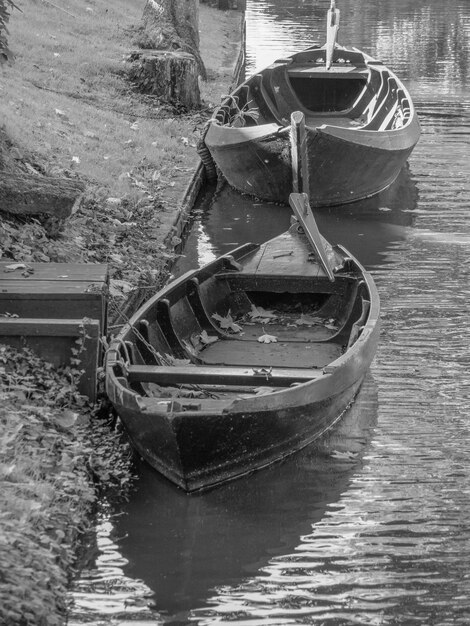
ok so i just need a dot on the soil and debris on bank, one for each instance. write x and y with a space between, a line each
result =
57 455
70 112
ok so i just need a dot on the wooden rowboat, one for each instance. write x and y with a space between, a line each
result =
242 362
361 126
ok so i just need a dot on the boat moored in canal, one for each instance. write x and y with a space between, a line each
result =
360 121
240 363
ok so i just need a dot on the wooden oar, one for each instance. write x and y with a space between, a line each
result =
298 139
301 207
332 25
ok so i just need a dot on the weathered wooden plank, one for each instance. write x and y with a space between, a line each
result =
288 255
61 272
301 207
33 327
54 290
290 354
277 377
45 288
294 284
164 320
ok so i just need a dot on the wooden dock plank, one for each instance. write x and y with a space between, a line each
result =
63 272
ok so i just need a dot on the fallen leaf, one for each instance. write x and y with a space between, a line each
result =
207 339
267 338
189 347
258 312
331 324
195 341
15 266
66 419
119 288
308 320
349 456
263 391
174 361
227 322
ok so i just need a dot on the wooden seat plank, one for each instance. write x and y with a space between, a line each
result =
278 377
297 354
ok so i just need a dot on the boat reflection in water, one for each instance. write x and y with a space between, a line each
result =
185 548
226 219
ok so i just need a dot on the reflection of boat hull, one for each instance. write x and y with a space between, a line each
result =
257 401
353 152
183 548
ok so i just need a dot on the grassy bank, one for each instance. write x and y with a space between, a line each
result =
68 110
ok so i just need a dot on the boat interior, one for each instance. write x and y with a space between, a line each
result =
355 92
236 330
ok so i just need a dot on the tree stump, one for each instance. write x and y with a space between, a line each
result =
169 63
21 194
172 75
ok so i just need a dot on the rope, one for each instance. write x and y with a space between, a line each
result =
206 157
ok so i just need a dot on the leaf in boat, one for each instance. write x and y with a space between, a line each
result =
257 312
227 322
195 340
263 391
191 393
15 266
308 320
347 456
189 347
331 324
207 339
174 361
267 338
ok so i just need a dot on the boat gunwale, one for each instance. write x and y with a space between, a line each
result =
334 370
223 136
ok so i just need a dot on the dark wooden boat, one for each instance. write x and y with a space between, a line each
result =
361 126
242 362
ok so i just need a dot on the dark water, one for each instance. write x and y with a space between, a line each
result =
372 526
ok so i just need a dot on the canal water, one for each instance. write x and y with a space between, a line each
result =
371 526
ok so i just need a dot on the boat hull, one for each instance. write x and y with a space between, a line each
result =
242 401
178 446
343 166
360 123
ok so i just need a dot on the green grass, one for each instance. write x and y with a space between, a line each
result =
77 66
